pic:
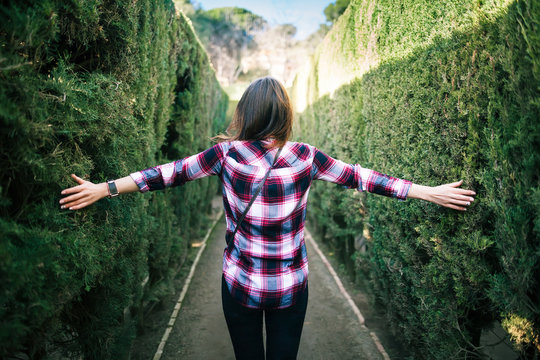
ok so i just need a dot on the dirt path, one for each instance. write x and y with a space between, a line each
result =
331 329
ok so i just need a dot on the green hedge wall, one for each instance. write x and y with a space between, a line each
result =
100 88
435 91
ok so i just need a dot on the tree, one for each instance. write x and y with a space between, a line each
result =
334 10
227 34
287 30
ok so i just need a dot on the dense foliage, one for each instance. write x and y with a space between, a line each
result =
435 91
334 10
100 88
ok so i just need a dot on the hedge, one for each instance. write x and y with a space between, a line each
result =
100 88
434 91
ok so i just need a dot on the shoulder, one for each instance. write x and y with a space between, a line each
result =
301 150
223 147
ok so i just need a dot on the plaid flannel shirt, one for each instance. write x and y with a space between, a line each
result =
266 265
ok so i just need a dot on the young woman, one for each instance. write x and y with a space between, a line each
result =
265 265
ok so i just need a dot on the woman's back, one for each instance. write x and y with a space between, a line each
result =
265 265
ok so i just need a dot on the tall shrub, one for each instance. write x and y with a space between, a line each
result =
435 91
99 88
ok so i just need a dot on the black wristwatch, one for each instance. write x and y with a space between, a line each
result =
113 191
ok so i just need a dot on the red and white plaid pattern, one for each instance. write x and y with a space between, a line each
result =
267 267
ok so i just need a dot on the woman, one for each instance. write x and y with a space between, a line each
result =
265 264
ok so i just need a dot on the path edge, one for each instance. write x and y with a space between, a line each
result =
172 319
345 294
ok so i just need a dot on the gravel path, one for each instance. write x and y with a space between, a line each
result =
331 329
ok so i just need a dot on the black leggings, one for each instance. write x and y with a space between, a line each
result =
283 328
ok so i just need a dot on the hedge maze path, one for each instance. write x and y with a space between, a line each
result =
331 328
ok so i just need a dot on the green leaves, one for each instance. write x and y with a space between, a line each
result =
89 87
452 94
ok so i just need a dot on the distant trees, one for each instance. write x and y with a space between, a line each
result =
242 45
227 34
334 10
276 53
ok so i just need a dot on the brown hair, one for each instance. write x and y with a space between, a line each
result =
263 112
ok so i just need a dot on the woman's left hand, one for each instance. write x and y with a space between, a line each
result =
86 193
452 196
447 195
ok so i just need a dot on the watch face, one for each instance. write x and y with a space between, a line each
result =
113 191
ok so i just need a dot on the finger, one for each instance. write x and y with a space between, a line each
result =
80 206
457 192
72 204
460 202
455 184
455 207
72 198
72 190
69 205
463 197
77 179
463 192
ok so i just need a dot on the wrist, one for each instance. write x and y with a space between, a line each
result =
104 190
421 192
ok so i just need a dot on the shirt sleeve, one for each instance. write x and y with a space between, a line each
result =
329 169
178 172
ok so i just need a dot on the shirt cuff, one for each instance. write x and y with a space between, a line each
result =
138 177
403 191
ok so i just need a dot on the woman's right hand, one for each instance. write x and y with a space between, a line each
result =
82 195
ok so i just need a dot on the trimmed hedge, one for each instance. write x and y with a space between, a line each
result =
100 88
435 91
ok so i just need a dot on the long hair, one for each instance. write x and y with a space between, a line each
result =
264 112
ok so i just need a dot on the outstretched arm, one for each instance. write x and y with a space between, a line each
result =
158 177
87 193
354 176
447 195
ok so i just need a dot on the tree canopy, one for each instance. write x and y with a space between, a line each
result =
334 10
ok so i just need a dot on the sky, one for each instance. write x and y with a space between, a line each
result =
306 15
